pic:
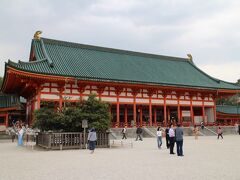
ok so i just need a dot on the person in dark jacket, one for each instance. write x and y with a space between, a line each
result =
167 137
139 132
239 129
179 140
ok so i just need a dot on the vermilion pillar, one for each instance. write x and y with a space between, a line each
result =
125 115
141 120
118 114
6 123
134 110
179 114
191 110
155 116
150 111
203 110
165 111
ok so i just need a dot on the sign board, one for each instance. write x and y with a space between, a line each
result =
84 123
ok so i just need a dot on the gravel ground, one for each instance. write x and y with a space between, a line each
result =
204 159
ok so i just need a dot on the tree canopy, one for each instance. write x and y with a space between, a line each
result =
70 118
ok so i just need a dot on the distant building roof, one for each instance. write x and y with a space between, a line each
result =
228 109
7 101
85 62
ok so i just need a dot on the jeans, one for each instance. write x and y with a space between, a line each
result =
139 136
179 148
20 140
92 145
172 142
159 141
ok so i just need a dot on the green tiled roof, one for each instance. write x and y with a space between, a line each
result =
7 101
228 109
105 64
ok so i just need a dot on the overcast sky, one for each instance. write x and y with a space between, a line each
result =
209 30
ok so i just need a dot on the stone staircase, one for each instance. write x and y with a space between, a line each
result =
116 133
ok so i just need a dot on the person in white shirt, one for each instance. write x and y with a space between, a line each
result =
172 139
124 131
159 137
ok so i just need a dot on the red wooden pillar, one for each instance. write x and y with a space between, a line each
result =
165 110
60 89
125 115
110 113
140 116
150 111
168 115
203 110
38 97
214 111
134 110
191 110
134 93
155 116
118 91
118 116
6 122
178 109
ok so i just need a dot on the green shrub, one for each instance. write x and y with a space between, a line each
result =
70 119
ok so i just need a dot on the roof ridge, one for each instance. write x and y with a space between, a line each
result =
32 62
112 50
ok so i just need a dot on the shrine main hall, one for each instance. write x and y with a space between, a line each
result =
142 89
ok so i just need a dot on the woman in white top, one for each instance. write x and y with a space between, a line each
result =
159 137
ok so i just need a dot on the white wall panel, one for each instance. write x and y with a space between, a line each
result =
196 103
126 100
142 100
184 102
157 101
54 90
45 90
209 103
109 99
171 101
49 96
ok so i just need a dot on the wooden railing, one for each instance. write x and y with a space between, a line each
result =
69 140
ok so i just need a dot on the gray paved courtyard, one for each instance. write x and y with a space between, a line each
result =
205 159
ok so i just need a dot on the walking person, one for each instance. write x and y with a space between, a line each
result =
139 132
124 131
159 137
239 129
171 139
195 131
219 132
92 138
236 128
167 137
202 125
179 140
